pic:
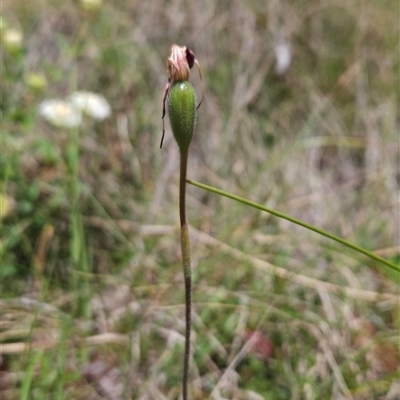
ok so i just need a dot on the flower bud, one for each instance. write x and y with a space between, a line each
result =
182 113
36 82
91 5
7 204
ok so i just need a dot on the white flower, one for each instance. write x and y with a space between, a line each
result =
283 57
60 113
92 104
12 39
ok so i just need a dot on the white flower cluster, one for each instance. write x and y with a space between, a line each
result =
60 113
68 113
92 104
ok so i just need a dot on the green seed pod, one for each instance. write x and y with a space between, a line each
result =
182 113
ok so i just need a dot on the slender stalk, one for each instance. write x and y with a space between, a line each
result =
185 246
182 187
180 97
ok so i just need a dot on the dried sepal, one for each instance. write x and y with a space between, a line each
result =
202 85
178 63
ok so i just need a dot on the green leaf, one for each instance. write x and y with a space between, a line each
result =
387 263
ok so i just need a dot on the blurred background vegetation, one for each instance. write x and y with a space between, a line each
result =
300 114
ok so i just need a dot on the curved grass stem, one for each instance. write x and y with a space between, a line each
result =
298 222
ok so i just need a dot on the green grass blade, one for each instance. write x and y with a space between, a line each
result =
29 375
298 222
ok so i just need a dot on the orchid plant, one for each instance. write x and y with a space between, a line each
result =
182 112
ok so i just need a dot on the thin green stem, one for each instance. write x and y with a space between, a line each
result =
298 222
182 187
185 247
